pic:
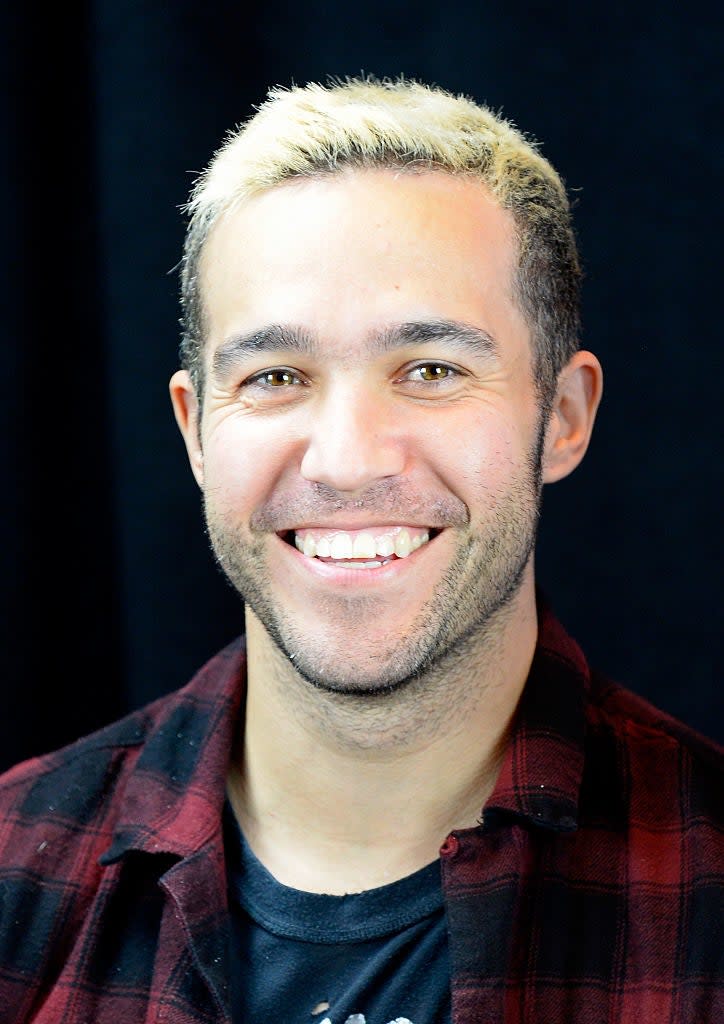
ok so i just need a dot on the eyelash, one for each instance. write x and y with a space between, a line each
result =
260 379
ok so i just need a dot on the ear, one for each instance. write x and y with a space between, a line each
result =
186 410
580 386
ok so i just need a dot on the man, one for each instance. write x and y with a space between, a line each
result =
404 796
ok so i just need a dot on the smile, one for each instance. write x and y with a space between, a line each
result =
361 549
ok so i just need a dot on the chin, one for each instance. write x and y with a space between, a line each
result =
349 667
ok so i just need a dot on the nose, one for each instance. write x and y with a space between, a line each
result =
352 441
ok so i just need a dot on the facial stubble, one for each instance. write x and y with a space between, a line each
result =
470 599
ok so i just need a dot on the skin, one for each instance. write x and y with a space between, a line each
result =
379 701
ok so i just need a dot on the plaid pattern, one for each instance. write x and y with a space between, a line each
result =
590 895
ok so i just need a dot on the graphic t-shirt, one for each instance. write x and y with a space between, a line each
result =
376 957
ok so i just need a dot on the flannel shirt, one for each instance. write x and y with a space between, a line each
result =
587 895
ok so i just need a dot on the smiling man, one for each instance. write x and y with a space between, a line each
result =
403 795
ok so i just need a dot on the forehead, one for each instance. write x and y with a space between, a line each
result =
347 254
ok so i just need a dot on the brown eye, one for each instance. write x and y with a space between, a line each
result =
277 385
434 371
278 378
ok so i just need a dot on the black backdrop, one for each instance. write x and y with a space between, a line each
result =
110 596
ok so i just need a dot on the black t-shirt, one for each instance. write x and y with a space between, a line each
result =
376 957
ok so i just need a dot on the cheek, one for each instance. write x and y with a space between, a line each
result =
241 467
481 459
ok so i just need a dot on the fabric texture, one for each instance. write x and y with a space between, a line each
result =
590 893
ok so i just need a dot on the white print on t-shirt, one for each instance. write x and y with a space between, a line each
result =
359 1018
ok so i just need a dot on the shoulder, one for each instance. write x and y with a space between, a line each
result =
639 723
67 795
88 756
57 817
668 773
131 783
72 795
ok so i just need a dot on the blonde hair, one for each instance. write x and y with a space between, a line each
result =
315 129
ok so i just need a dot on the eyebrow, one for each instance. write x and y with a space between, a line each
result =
272 338
453 332
289 338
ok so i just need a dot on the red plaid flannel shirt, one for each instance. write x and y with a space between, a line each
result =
590 894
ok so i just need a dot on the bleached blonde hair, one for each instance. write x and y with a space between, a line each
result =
315 130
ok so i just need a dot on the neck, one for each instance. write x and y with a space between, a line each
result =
340 792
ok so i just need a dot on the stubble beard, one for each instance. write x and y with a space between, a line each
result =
464 612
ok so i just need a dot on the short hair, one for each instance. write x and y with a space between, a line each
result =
363 122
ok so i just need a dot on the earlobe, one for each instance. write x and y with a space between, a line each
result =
186 410
580 386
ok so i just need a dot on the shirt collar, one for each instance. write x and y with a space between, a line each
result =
176 789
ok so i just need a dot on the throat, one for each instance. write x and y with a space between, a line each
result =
340 853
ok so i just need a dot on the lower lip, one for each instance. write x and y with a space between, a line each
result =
329 572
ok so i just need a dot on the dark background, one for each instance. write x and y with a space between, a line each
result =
110 595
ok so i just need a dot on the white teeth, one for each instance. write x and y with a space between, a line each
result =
403 544
385 547
341 547
364 546
361 565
